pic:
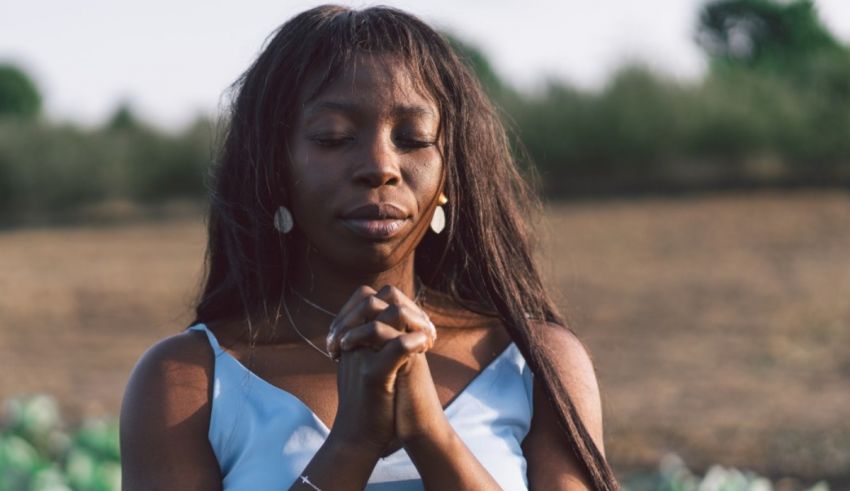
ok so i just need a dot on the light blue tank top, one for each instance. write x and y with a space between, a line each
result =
264 437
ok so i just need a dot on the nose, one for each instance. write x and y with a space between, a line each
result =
379 164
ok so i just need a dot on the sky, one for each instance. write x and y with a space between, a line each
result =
173 60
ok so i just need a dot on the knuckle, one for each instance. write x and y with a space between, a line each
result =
394 294
373 329
415 320
391 294
401 345
340 331
364 290
374 304
415 341
411 318
382 330
392 312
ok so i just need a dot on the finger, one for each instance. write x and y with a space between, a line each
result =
409 319
397 351
372 334
364 312
395 296
359 294
363 291
362 308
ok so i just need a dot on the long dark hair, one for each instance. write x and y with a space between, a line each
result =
484 258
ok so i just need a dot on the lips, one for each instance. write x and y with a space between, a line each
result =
376 211
375 221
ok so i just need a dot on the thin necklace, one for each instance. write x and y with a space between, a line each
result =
292 323
419 291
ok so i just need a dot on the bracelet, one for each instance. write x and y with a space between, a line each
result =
306 480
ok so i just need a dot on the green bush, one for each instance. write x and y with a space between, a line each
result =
48 168
673 475
642 130
38 454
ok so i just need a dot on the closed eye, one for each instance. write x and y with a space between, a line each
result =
412 143
331 142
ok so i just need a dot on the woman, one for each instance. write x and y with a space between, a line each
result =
366 201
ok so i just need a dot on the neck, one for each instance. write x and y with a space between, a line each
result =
331 286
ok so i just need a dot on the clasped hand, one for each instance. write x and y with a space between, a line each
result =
385 387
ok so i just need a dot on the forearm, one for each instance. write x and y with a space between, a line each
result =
338 465
445 462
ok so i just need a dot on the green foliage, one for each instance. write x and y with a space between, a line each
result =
38 454
49 168
763 33
149 166
784 49
123 119
673 475
19 97
643 131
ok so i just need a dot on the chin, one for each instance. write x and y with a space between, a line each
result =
376 259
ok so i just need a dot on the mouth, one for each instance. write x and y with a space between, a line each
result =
376 221
375 228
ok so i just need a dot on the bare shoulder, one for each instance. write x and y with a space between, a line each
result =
165 417
547 446
575 366
172 375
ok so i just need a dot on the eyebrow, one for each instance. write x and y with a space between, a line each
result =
397 110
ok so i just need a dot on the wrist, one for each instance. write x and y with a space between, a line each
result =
436 434
338 464
354 448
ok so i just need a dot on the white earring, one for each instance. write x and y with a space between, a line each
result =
438 219
283 220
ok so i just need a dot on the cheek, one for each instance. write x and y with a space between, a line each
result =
310 191
304 174
424 177
306 186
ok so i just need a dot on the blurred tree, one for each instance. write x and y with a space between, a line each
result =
756 47
123 118
763 33
19 96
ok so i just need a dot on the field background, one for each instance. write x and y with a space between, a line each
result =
719 324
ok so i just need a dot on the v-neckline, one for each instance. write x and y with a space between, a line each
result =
324 427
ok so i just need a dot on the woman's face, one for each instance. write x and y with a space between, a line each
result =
365 166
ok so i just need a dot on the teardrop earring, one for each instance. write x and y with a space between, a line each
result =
283 220
438 220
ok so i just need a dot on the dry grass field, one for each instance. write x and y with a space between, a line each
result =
719 325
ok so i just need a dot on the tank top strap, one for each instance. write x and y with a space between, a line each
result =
210 336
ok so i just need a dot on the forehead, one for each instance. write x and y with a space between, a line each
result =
373 81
